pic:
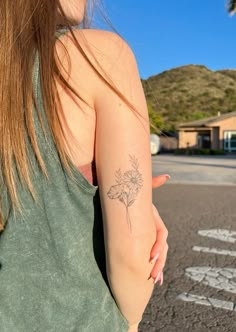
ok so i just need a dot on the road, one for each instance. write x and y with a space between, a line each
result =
199 289
197 170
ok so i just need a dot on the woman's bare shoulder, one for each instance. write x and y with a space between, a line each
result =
101 39
105 46
109 53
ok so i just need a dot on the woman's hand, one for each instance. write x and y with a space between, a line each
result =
160 248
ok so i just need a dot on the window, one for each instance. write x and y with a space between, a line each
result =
229 140
204 140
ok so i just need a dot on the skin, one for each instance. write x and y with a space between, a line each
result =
75 11
160 246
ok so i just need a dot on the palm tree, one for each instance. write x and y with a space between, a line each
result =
232 6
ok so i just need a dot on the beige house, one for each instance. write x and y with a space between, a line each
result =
218 132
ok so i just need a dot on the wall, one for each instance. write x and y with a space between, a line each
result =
187 138
168 143
226 124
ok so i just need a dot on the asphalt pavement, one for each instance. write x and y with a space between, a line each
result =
198 206
213 170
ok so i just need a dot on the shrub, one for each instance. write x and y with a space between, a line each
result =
180 151
217 152
198 151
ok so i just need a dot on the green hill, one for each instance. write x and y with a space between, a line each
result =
189 93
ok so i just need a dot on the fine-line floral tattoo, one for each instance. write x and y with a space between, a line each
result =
127 187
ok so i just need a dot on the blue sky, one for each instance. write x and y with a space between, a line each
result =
169 33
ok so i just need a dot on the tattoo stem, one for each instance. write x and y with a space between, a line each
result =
128 219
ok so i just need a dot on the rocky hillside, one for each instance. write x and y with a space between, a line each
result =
189 93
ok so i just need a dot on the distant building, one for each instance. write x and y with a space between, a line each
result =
218 132
168 141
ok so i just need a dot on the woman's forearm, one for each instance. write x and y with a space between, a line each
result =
130 284
133 328
132 295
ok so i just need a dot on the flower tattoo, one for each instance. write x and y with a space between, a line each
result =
127 187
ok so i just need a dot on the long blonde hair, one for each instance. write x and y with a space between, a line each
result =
27 27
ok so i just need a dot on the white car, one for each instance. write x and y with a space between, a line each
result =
154 144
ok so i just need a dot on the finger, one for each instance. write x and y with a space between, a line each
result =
161 236
157 218
159 180
160 264
158 246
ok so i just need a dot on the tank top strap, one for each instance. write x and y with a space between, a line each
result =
60 31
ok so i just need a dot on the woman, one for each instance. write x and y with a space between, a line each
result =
71 103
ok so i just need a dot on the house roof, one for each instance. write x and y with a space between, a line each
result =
207 121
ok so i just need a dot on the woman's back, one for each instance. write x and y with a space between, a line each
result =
52 275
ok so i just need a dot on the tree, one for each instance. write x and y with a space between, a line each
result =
232 6
156 120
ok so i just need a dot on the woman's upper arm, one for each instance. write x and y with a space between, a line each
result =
122 153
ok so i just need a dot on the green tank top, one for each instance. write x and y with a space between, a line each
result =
52 257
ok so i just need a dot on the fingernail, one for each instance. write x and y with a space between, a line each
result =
166 175
155 258
157 278
160 281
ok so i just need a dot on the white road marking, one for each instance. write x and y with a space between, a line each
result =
220 278
208 301
219 234
215 251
